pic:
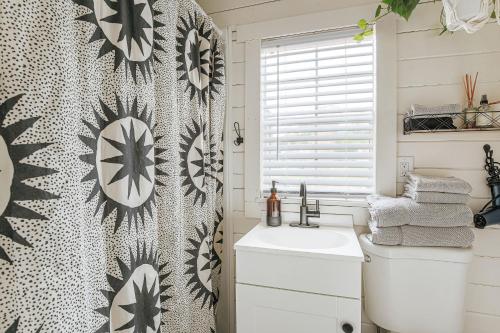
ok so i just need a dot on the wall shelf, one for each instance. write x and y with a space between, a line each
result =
452 122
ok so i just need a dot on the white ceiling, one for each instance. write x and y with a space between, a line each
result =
234 12
214 6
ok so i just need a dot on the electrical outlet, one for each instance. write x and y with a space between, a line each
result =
405 166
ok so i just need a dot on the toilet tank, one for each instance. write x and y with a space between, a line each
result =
413 289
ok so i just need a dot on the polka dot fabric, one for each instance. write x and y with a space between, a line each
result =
111 166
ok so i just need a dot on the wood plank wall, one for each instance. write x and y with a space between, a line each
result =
430 70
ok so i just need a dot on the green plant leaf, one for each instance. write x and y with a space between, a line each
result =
403 8
368 32
359 37
377 12
362 24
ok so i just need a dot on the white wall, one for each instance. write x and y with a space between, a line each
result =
430 72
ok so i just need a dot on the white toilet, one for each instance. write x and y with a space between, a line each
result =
415 290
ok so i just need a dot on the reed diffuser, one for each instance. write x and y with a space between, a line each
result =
470 111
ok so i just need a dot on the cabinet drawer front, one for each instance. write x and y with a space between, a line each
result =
267 310
314 275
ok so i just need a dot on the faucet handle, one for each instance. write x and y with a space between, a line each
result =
314 213
316 210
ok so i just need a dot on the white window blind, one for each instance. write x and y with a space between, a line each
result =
317 114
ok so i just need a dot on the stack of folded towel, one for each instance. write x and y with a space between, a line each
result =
445 190
432 212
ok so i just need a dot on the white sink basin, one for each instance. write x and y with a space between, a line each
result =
306 239
327 242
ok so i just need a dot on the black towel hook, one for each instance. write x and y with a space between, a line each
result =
239 138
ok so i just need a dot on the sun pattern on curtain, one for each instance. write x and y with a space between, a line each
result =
111 166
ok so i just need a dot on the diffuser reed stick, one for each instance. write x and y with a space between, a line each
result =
470 89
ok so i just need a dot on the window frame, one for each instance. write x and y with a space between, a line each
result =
385 118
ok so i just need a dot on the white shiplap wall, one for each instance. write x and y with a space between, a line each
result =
430 69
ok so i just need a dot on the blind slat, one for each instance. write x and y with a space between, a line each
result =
314 58
305 50
318 173
321 155
319 84
331 137
318 94
332 164
319 146
269 130
337 111
268 71
342 192
328 102
314 120
319 77
324 181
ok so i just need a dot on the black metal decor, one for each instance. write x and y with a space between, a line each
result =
490 214
239 138
491 166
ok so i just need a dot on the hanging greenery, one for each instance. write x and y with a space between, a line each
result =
403 8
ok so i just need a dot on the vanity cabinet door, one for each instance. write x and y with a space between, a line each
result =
268 310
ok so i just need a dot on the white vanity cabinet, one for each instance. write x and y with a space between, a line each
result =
291 280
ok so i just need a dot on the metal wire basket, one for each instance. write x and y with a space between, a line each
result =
452 122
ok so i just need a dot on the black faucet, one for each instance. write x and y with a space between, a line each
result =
305 212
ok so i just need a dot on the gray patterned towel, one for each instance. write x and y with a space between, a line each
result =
393 212
421 236
422 110
436 197
420 183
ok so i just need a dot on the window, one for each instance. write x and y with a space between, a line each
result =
317 114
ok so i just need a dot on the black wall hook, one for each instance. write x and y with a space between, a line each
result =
239 138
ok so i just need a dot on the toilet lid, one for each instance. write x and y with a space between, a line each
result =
446 254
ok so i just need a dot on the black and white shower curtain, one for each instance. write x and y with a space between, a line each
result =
111 166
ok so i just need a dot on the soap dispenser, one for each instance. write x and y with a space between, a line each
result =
273 208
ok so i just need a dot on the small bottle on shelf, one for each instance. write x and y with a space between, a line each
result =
484 118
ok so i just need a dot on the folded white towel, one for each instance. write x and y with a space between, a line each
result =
420 183
422 110
421 236
435 197
393 212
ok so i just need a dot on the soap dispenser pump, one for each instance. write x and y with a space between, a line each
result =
273 208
